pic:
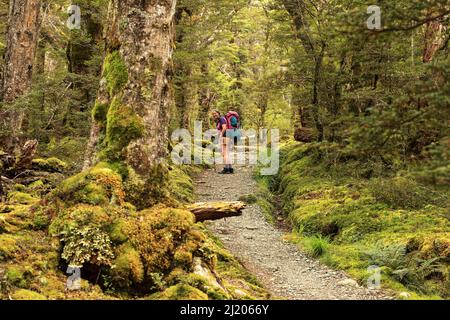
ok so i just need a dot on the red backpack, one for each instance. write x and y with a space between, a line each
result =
233 121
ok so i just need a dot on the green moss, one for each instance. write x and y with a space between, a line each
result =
361 217
98 186
128 267
40 220
18 197
15 277
19 187
123 126
181 185
23 294
8 246
115 72
117 233
180 292
158 233
147 190
100 111
50 164
79 216
403 193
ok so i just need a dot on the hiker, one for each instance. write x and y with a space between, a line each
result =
222 127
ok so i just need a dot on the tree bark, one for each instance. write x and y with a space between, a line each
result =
142 32
216 210
434 38
21 44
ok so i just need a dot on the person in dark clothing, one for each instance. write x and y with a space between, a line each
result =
222 127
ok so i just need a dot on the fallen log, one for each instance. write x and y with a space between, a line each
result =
216 210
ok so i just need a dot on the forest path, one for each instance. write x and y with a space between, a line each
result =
279 265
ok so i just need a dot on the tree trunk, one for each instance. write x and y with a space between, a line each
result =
434 31
297 10
205 99
216 210
131 114
21 44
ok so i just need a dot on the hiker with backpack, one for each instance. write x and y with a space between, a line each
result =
228 127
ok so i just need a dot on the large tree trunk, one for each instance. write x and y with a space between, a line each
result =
21 44
132 108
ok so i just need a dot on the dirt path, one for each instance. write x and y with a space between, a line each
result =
280 266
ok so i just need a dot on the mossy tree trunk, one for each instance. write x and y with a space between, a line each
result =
21 43
131 115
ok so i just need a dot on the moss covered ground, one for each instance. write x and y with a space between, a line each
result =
351 222
90 221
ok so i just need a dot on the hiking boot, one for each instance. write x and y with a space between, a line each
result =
225 171
231 171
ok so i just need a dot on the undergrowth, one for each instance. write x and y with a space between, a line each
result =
353 216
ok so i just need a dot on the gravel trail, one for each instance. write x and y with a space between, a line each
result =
279 265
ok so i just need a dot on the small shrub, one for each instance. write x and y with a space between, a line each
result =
317 246
402 193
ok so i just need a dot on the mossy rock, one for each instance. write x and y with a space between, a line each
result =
23 294
99 186
49 165
149 190
79 216
128 268
16 218
181 185
158 233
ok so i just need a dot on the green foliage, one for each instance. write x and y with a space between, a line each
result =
340 219
317 246
51 164
411 268
403 193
